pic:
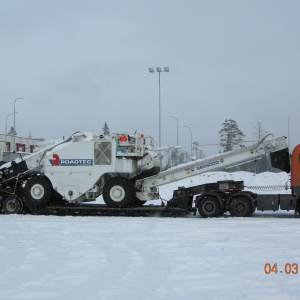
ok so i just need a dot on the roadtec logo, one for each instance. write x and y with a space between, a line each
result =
56 161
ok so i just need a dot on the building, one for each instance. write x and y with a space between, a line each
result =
8 151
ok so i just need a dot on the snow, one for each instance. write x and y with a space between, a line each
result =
50 257
266 179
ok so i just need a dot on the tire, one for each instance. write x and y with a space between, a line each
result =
119 192
209 207
241 206
298 206
38 191
253 210
12 205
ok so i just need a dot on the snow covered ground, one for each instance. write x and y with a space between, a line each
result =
49 257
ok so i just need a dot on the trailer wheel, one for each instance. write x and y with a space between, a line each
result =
241 206
12 205
209 207
119 192
38 191
298 206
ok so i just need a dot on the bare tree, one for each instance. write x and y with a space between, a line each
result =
259 132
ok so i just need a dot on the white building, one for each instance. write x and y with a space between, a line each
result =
12 146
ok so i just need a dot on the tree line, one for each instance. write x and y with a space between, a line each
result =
231 137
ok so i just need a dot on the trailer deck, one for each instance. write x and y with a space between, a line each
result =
87 209
103 210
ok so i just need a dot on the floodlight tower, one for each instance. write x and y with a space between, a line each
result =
159 70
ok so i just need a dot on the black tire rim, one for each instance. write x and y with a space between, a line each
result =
209 207
11 206
240 207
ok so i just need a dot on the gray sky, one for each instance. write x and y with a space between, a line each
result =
80 63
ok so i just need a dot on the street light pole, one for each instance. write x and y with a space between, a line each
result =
159 70
177 128
6 129
15 122
289 132
191 140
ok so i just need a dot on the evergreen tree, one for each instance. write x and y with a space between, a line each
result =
12 131
230 135
105 129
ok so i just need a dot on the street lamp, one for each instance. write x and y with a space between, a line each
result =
6 128
159 70
191 139
289 132
15 122
177 127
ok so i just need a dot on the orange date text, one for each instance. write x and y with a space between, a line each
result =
288 268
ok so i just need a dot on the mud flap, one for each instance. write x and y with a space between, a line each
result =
179 203
281 160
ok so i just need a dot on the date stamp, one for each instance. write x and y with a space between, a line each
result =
288 268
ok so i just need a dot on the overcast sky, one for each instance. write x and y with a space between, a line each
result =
79 63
